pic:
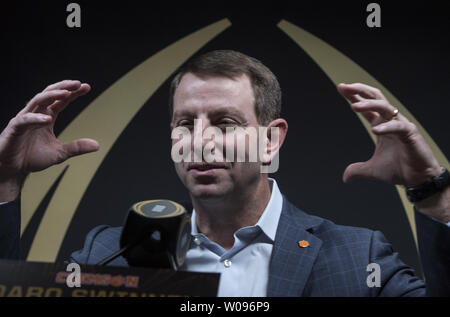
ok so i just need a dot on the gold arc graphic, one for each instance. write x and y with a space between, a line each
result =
123 100
341 69
103 120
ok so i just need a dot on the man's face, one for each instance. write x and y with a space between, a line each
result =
223 103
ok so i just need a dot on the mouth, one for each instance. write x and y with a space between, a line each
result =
203 167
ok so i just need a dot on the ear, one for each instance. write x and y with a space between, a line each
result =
274 137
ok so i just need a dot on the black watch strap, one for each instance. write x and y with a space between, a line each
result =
429 188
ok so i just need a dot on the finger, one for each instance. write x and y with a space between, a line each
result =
368 115
80 147
399 127
363 90
356 170
28 120
65 84
343 90
371 116
382 107
60 105
45 99
351 97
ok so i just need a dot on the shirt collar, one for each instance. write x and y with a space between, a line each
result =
268 222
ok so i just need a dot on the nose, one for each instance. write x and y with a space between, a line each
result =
197 141
201 139
200 125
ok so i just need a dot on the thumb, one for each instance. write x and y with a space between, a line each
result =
356 170
80 147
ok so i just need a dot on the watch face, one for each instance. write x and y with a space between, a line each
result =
184 240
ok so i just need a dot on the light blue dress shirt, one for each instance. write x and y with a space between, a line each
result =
244 268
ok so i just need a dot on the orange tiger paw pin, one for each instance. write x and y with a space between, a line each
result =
303 244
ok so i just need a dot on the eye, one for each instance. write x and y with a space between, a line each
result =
227 122
184 123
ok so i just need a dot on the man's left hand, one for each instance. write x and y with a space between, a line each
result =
401 156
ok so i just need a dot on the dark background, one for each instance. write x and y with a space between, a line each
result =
409 54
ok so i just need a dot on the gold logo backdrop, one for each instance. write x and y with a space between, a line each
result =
129 51
133 90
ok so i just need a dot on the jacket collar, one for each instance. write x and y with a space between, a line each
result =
290 264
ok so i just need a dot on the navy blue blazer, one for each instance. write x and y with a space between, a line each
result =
335 263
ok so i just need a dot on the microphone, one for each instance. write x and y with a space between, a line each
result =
156 233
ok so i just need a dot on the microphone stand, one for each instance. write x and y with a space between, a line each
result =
115 254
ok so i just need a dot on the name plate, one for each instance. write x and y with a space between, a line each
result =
36 279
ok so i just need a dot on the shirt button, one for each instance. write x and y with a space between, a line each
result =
197 241
227 263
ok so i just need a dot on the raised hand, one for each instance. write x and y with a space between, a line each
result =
28 143
401 155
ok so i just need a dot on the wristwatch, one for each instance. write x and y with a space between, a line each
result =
429 188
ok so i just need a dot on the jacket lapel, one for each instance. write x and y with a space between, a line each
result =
290 264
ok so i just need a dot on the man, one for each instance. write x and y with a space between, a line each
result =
242 225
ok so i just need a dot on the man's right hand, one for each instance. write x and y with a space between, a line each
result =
28 143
